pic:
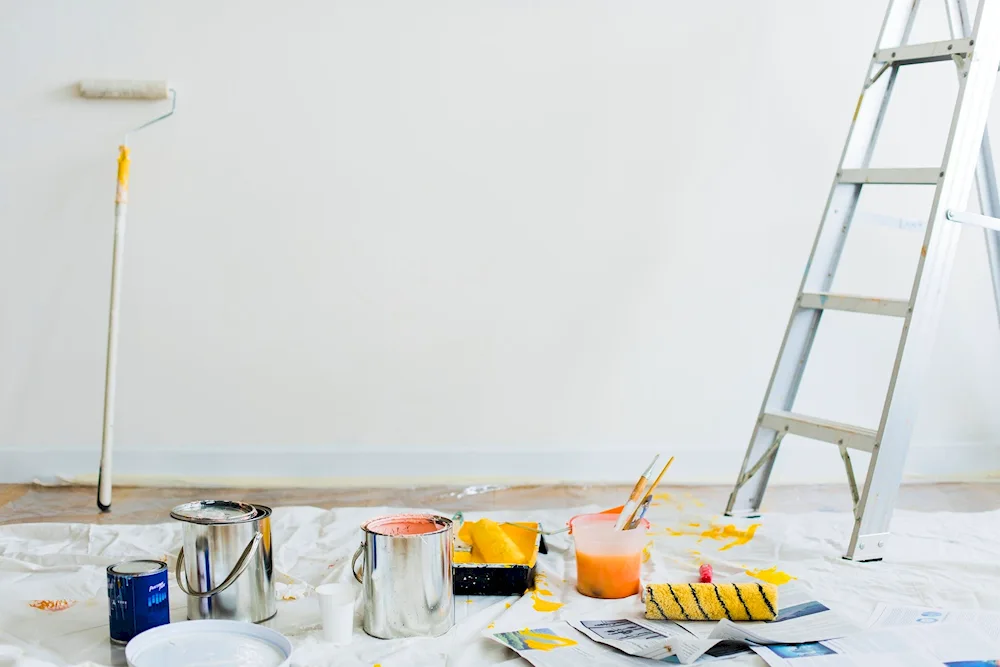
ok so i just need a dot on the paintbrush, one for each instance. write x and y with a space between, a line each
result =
632 521
636 496
639 513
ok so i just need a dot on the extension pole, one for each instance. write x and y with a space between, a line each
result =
117 259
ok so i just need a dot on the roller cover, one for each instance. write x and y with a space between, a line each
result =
711 602
493 545
129 89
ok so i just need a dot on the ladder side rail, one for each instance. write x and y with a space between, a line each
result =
822 264
885 470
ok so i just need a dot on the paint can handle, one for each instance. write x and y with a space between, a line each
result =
238 569
354 561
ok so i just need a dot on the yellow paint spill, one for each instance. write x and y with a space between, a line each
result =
646 553
469 601
491 626
694 525
661 496
506 605
544 605
538 591
288 597
729 531
771 575
539 641
693 552
52 605
739 536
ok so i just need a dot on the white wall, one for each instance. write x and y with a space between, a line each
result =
540 239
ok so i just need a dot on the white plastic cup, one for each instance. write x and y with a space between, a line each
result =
608 561
336 606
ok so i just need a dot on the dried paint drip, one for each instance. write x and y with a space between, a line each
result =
647 552
771 575
52 605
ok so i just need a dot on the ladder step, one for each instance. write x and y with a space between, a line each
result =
854 437
913 176
855 304
914 54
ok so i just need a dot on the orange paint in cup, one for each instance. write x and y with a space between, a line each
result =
608 561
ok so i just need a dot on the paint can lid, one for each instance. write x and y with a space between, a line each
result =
214 511
137 567
204 642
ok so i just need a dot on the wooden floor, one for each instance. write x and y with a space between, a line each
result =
22 503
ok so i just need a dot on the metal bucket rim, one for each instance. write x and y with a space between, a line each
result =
260 512
443 521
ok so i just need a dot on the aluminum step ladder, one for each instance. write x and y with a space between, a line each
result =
967 158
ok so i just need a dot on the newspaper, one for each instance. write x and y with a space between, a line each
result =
664 641
559 645
951 645
800 619
901 615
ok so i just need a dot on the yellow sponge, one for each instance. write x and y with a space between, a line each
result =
493 545
712 602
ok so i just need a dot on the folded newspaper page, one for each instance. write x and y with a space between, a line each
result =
800 619
664 641
559 645
952 645
902 615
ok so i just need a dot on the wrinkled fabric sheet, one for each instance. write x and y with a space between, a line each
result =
934 559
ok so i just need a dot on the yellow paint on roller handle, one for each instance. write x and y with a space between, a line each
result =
121 193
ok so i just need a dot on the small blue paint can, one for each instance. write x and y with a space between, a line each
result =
137 598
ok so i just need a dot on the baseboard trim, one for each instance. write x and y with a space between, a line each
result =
801 463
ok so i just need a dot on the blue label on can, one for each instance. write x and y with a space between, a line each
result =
137 601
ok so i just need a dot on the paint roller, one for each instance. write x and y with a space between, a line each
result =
711 602
119 89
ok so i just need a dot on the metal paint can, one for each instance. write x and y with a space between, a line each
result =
407 576
225 566
137 598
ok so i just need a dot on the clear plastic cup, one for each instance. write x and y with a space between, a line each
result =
336 606
608 561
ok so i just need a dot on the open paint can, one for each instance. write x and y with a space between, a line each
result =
225 565
407 576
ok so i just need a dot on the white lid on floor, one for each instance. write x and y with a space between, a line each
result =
204 643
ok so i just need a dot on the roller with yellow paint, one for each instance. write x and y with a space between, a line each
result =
106 89
493 545
711 602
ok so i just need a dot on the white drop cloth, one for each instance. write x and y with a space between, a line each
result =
942 560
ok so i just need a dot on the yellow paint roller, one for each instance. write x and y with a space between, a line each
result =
711 602
493 545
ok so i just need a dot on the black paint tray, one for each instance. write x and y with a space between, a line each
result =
502 578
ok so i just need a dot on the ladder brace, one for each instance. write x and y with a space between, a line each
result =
967 218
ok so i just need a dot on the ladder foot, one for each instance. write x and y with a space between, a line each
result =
742 515
862 560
